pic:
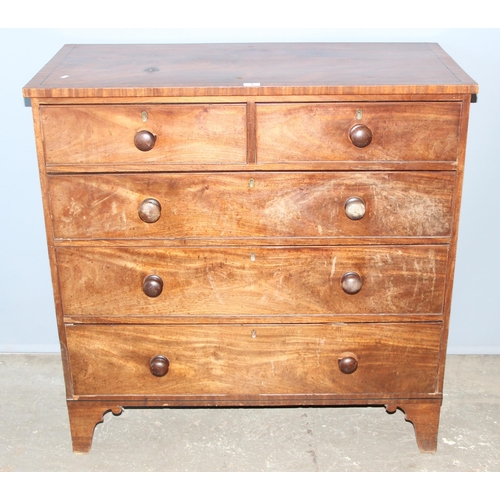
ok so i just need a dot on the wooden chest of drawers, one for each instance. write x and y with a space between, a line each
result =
252 225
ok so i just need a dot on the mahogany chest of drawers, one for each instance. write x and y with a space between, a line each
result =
252 224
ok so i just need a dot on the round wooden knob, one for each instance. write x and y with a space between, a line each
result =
348 363
149 210
360 135
355 208
152 285
351 283
144 140
159 366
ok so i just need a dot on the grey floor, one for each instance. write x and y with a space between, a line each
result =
34 430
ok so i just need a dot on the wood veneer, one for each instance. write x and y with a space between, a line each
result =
252 224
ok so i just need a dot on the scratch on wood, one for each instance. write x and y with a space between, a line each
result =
74 208
282 210
102 200
332 271
214 288
432 260
319 348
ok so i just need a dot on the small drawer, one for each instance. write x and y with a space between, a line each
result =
238 362
134 134
358 132
231 281
254 205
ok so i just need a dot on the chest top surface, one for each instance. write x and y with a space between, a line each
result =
249 69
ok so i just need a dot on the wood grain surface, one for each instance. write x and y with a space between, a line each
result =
187 133
132 70
320 132
246 360
252 205
252 281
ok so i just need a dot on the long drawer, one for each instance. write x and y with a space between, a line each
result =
252 361
336 204
415 131
113 134
221 281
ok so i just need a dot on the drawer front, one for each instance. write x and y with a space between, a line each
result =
413 204
200 134
256 281
252 361
321 132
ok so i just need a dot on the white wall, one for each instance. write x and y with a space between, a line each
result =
27 319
